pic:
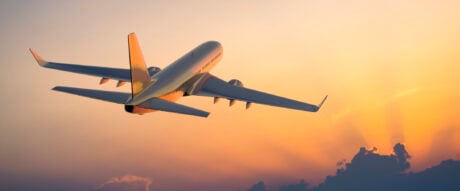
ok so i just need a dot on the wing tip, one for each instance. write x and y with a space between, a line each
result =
38 58
322 102
56 87
60 88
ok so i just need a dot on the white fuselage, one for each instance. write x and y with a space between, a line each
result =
172 78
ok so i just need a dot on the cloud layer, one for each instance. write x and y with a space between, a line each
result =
126 183
369 170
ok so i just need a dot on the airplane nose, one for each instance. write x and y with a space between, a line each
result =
213 44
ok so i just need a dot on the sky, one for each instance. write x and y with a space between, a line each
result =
390 69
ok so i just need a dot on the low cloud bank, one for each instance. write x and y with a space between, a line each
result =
369 170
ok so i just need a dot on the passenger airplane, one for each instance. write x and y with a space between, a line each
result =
155 89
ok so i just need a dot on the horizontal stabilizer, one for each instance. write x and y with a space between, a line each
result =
115 97
163 105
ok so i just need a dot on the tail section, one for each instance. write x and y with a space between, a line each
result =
140 78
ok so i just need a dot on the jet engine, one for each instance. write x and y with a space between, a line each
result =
234 82
153 70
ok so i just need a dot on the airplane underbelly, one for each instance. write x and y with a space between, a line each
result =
173 96
137 109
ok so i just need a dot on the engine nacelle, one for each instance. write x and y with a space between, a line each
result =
153 70
234 82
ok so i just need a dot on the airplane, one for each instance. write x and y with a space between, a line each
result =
155 89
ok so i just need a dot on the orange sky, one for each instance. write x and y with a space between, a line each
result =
390 68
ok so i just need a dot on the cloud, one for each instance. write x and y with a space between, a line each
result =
369 170
260 186
402 155
301 186
445 176
126 183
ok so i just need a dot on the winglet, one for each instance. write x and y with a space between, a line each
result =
40 60
322 102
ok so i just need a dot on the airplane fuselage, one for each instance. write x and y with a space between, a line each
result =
167 82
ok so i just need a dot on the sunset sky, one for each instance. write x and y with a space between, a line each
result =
391 69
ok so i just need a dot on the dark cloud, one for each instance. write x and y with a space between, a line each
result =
260 186
445 177
301 186
126 183
369 170
402 155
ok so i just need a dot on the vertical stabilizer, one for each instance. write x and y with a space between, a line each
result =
140 78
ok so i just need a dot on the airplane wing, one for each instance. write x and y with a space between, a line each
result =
104 72
215 87
122 98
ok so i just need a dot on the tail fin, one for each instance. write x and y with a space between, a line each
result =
140 78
